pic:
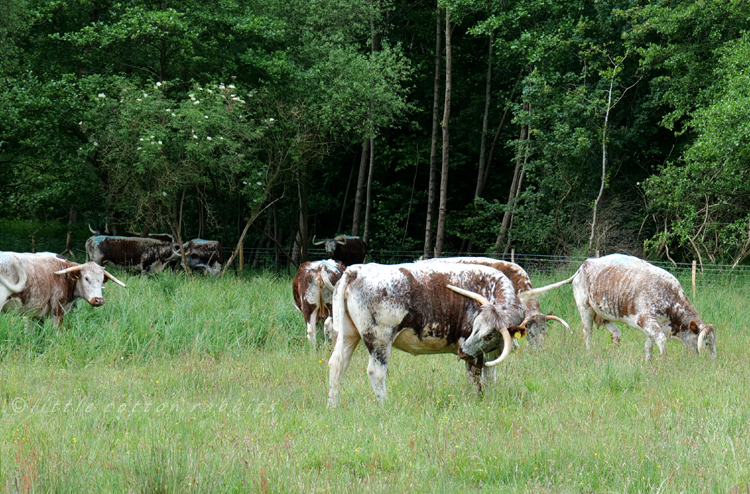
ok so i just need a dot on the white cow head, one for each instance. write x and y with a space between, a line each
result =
491 330
89 279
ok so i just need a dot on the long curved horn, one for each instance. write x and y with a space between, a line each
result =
317 243
341 240
555 318
115 280
507 343
472 295
701 337
77 267
92 231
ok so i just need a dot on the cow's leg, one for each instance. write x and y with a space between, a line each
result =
346 342
587 318
312 322
328 329
489 374
614 331
653 333
474 371
377 369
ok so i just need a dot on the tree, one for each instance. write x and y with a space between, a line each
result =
443 208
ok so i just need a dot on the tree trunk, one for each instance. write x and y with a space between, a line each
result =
515 185
368 200
346 195
443 210
515 199
433 147
466 245
72 214
366 236
485 121
604 165
302 188
359 197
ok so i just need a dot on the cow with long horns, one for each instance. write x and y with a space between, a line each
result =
422 308
345 249
47 285
312 289
536 322
146 255
625 289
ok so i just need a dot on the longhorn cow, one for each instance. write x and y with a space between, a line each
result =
344 249
146 255
47 285
535 321
206 254
312 289
422 308
620 288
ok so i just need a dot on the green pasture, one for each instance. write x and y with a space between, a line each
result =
203 385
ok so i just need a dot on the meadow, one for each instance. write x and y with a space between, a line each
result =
203 385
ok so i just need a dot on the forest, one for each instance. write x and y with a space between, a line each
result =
473 126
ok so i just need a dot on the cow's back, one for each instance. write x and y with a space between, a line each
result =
618 286
42 284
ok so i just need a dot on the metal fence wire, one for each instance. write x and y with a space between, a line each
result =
534 264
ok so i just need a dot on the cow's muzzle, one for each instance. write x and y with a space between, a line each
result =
97 301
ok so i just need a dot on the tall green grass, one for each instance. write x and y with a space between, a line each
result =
180 385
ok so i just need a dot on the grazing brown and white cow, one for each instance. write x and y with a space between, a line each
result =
312 288
52 284
146 255
422 308
535 322
345 249
620 288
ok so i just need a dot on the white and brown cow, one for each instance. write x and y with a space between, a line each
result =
422 308
625 289
52 284
312 288
535 322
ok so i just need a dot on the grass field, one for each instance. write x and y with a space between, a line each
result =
209 386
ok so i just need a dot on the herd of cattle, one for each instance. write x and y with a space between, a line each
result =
477 307
474 307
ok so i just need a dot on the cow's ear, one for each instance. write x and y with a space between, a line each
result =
693 327
517 331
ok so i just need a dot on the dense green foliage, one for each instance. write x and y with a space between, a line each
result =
179 385
159 115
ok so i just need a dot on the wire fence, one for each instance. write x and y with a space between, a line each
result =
534 264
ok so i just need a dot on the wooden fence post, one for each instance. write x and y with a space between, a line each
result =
694 269
242 255
512 255
33 242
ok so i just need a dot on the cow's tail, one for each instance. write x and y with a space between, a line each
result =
20 284
326 279
524 297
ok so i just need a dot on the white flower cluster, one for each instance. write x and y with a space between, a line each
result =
151 139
